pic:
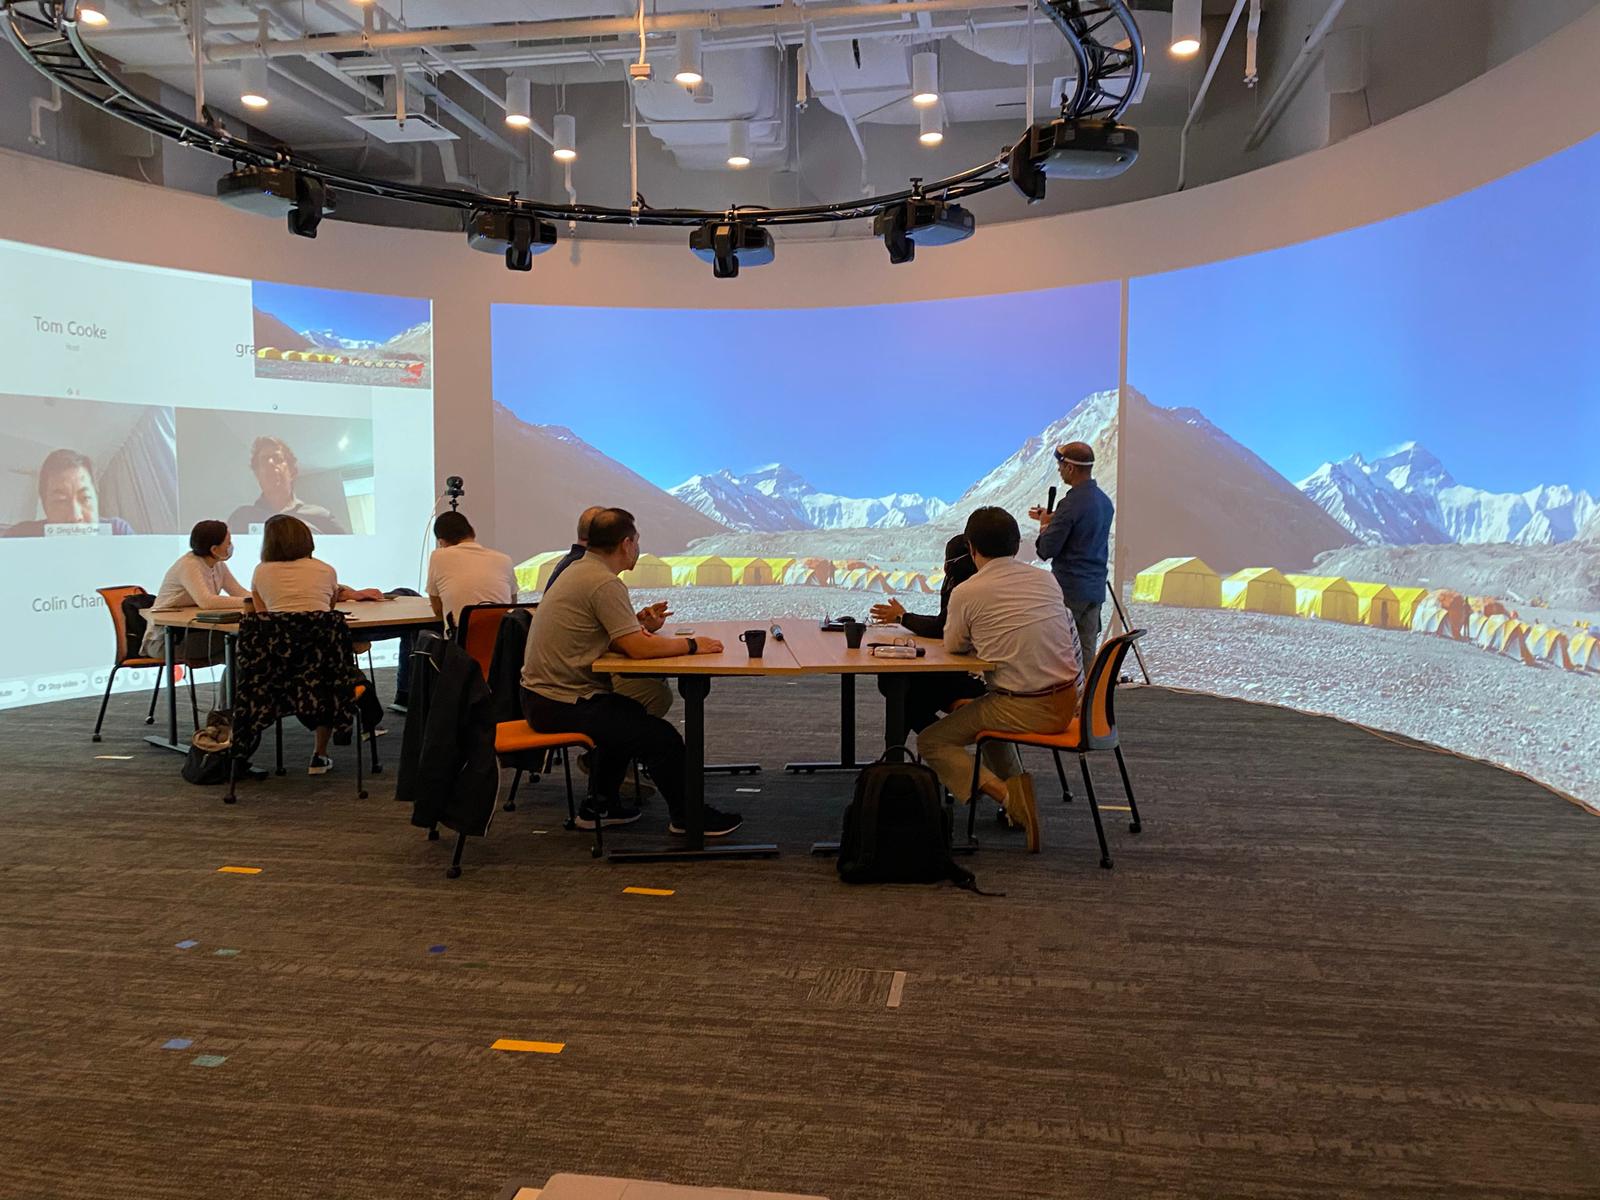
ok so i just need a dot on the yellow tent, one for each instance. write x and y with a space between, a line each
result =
1258 589
1408 598
1584 650
780 567
1325 597
809 570
269 352
699 570
908 581
1377 605
1180 582
649 572
864 579
534 573
1550 645
750 571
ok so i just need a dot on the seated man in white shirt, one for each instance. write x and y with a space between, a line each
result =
461 572
1012 615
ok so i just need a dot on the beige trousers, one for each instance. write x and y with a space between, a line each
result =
655 695
943 745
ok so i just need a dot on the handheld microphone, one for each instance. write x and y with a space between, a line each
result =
1050 504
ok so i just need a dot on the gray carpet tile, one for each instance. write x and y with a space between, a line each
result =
1332 965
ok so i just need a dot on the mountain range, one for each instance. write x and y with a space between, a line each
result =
774 499
415 342
1408 498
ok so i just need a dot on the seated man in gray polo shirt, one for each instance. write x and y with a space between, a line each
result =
587 616
1012 615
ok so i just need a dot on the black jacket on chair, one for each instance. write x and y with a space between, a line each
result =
448 771
292 664
505 667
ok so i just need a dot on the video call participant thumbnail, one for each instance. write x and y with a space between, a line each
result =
276 470
69 497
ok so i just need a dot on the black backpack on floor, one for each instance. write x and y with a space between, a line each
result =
896 830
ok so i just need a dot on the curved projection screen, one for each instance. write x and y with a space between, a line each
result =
137 401
825 455
1361 474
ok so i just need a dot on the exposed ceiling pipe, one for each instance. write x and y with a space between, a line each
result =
1205 86
1273 108
37 106
449 64
1252 31
197 34
821 60
786 15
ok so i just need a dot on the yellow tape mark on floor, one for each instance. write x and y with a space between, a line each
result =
238 870
529 1047
1115 808
633 891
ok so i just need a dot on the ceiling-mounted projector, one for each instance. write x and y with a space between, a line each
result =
278 192
729 245
519 236
1070 149
921 221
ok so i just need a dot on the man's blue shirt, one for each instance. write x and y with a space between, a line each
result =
1076 543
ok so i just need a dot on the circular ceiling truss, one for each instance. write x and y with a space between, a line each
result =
1103 37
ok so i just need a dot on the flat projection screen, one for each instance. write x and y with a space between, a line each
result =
1361 474
138 401
794 462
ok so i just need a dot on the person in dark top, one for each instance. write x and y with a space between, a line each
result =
1075 540
579 547
68 495
276 469
929 695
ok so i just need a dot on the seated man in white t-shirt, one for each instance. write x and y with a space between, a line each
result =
461 572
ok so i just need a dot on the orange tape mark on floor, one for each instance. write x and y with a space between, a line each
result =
633 891
238 870
529 1047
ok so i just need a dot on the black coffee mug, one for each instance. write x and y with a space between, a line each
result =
755 641
853 631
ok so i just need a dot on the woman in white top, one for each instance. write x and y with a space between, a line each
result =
200 579
291 579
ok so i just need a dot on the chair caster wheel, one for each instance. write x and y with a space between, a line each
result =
149 720
362 794
568 824
594 852
509 806
1066 797
1134 827
1105 864
378 769
280 772
433 835
230 799
452 873
95 738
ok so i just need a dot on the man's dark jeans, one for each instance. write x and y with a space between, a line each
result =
622 731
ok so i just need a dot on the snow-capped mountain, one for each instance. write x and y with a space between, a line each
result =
1360 496
1407 498
327 339
774 498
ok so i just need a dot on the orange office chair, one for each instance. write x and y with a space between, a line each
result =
1095 728
129 655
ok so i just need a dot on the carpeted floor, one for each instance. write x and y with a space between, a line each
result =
1332 965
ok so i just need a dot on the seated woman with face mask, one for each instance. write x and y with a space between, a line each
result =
200 579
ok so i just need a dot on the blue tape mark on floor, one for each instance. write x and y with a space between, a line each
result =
187 944
209 1060
177 1044
436 949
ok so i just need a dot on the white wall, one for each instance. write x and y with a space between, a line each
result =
1532 106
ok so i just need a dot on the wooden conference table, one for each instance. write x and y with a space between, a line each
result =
804 650
369 620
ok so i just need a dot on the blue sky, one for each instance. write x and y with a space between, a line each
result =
1472 327
924 397
360 315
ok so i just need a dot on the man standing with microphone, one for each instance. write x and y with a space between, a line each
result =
1074 538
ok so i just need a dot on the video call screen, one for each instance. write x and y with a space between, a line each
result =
137 401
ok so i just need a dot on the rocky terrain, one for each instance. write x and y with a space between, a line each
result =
1543 722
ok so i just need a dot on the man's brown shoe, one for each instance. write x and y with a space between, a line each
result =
1022 809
